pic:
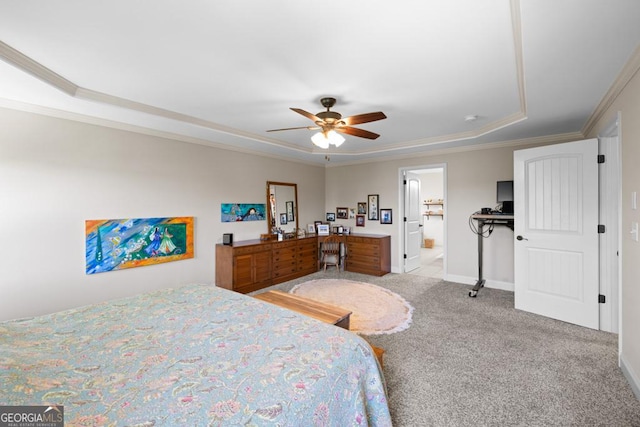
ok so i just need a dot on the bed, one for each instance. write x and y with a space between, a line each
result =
196 355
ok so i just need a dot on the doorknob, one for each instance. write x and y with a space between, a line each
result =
521 238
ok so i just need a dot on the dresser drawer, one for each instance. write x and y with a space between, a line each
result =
284 255
363 259
251 249
283 271
363 248
285 263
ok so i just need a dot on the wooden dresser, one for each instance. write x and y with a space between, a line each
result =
368 254
250 265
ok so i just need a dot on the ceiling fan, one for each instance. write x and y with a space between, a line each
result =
329 122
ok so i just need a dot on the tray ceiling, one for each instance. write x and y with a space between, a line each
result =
222 73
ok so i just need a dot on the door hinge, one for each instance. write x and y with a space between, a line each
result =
601 299
405 256
405 219
404 182
600 158
601 228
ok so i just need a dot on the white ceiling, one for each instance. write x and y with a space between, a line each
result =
223 72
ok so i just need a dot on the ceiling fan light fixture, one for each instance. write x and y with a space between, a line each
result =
335 138
324 139
320 140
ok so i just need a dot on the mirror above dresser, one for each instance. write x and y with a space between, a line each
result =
282 207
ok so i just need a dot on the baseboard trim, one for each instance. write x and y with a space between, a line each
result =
466 280
631 377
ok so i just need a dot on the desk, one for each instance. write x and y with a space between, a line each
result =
489 219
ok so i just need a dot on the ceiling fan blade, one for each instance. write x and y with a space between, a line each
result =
364 118
302 127
357 132
307 114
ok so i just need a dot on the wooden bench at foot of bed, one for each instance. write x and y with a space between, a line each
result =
318 310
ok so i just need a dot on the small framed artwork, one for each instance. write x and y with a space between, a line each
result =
342 213
386 216
323 229
283 219
290 215
373 201
316 224
346 230
331 216
362 208
352 213
359 220
311 228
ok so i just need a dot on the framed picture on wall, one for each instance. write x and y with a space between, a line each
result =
359 220
373 202
385 216
362 208
290 215
283 219
331 216
342 213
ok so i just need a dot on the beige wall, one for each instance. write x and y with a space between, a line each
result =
55 174
471 178
628 103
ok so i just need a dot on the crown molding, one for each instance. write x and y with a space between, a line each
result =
28 65
624 77
516 143
112 124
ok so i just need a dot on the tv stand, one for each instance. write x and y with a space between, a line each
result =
487 219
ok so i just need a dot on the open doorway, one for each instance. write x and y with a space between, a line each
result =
432 200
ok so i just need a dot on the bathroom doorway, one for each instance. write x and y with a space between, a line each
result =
433 219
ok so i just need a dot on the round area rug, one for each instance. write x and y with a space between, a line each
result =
375 310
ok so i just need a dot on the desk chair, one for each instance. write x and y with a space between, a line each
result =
330 252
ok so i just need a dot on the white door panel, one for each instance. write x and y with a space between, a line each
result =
556 215
413 228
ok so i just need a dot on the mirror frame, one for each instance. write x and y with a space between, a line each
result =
295 204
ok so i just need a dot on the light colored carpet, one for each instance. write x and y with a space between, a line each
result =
374 310
480 362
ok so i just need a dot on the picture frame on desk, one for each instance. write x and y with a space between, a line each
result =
311 228
323 229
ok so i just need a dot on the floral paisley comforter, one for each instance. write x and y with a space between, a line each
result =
196 355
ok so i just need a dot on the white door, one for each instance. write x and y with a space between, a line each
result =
412 225
556 220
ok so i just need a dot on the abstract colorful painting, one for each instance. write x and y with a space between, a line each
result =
116 244
234 212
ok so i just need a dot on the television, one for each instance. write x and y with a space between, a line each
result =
505 196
